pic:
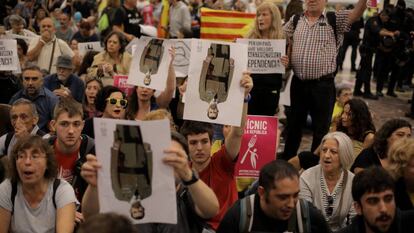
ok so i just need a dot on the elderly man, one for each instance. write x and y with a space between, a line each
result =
64 83
33 90
314 39
45 50
24 118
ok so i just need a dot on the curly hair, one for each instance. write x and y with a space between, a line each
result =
103 94
380 144
361 120
401 153
275 30
33 142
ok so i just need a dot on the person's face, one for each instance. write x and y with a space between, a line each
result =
346 116
74 45
19 51
137 212
378 210
63 73
144 94
264 19
345 95
329 156
40 14
199 146
17 27
64 20
91 90
212 112
398 134
279 202
113 45
31 166
68 129
315 5
114 111
47 25
84 32
32 82
21 115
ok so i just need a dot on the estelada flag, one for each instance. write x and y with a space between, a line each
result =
162 28
225 25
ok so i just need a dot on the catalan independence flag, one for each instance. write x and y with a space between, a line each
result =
225 25
163 24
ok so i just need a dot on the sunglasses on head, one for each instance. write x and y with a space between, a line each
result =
122 102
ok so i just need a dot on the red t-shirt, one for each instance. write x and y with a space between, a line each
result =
219 176
66 164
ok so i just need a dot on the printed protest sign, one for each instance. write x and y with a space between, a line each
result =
120 81
89 46
150 63
213 91
133 180
9 60
264 55
257 149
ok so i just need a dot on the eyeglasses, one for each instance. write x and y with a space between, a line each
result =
122 102
329 209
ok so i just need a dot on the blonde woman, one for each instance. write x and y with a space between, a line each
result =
266 91
401 167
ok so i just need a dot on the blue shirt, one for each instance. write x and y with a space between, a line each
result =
74 83
45 103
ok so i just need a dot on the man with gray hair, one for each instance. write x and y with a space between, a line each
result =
24 118
64 83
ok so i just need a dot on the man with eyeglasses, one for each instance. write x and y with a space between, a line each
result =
34 91
70 146
24 117
373 193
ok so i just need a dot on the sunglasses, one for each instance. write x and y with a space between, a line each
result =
329 209
122 102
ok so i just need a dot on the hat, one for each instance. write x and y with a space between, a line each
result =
64 61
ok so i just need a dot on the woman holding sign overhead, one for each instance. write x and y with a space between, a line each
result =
266 91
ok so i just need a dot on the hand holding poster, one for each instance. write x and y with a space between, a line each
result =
133 180
213 91
9 60
150 63
264 55
258 147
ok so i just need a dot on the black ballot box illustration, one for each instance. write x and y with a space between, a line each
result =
216 76
151 59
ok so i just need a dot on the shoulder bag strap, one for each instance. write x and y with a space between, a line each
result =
51 55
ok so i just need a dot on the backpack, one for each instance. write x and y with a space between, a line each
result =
331 17
87 146
56 184
300 216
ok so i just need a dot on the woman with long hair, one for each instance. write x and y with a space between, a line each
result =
266 91
92 87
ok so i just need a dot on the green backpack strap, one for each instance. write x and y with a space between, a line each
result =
246 213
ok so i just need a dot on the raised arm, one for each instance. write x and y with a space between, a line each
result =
358 10
233 141
90 203
164 99
205 201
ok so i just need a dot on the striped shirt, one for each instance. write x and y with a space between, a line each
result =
314 47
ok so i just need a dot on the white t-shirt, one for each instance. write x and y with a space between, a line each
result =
40 219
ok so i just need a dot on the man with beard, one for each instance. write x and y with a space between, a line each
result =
64 83
274 207
34 91
373 193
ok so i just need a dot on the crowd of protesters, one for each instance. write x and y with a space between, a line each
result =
353 179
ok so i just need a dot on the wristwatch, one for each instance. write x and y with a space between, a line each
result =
194 178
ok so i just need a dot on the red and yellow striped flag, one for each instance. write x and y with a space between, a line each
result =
163 23
225 25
